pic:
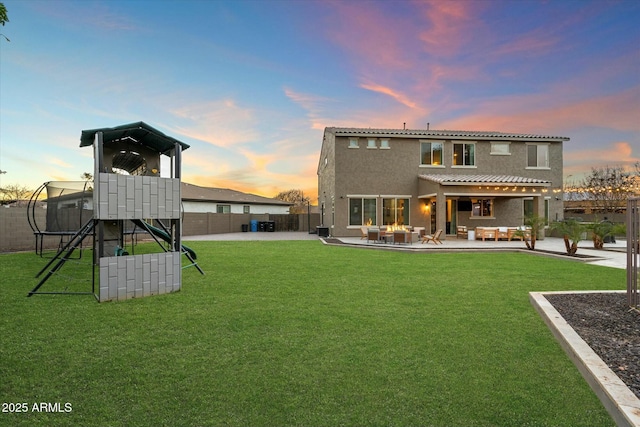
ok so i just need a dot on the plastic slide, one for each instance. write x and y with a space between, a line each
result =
161 234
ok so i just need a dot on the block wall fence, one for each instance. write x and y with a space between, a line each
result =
16 235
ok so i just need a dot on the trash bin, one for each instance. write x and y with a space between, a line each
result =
270 226
245 228
322 231
254 225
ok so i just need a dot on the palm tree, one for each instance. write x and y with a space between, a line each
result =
602 229
572 232
535 223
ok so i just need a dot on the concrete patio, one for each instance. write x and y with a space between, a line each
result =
613 254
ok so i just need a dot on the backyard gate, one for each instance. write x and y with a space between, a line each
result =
633 247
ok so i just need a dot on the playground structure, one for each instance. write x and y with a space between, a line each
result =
128 193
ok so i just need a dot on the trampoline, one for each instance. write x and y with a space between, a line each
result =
68 205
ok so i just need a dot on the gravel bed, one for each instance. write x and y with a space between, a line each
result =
609 326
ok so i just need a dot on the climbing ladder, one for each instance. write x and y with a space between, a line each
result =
63 255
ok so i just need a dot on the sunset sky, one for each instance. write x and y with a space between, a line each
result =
250 85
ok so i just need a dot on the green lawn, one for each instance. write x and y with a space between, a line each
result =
297 333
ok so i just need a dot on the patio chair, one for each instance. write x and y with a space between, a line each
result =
435 238
363 231
373 234
401 237
503 233
462 232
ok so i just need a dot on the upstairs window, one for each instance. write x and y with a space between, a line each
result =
464 154
538 156
246 209
371 143
353 143
384 144
223 209
500 148
431 153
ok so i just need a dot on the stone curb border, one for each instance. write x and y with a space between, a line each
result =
420 248
621 403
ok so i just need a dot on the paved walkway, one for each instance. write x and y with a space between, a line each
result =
613 254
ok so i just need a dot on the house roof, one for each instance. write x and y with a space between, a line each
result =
484 180
196 193
460 134
139 132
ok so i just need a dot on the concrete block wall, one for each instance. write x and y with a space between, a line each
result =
16 235
137 197
138 276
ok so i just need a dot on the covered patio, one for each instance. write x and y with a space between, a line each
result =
484 200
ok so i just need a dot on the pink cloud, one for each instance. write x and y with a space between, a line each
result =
367 33
398 96
451 26
543 113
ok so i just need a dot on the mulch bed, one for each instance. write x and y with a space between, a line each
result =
609 327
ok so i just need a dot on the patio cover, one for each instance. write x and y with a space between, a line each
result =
431 184
139 132
485 180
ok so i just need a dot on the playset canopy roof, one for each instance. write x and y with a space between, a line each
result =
139 132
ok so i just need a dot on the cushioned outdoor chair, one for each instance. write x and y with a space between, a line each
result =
462 232
401 237
503 233
435 238
373 234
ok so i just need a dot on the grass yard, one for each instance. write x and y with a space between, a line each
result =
297 333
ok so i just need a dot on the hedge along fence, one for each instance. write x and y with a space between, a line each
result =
16 234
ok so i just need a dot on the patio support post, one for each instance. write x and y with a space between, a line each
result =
441 214
538 209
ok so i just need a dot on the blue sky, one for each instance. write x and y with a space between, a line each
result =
250 85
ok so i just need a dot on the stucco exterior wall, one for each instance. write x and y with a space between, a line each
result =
393 172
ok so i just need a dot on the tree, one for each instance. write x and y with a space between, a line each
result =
535 224
602 229
300 202
88 178
3 14
607 189
572 232
15 193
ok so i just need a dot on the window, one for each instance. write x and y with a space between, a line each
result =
371 143
464 154
500 148
362 211
431 153
395 211
353 143
246 209
538 156
528 208
384 144
482 208
223 209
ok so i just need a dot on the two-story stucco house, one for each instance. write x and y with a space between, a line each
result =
437 179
